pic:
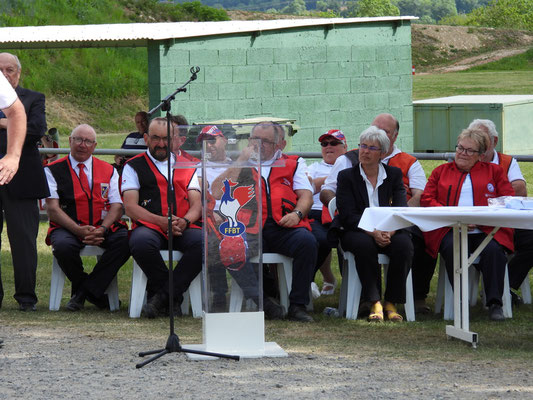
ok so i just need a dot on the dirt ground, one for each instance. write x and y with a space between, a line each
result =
58 364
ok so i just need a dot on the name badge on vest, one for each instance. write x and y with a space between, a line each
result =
104 191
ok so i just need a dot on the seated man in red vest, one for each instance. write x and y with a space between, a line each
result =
414 180
522 260
144 188
287 197
85 208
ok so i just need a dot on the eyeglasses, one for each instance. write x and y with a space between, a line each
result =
79 140
263 141
332 143
371 148
468 152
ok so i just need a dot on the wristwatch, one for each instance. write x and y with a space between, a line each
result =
106 230
298 213
186 221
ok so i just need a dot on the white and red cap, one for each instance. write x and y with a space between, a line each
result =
209 132
333 133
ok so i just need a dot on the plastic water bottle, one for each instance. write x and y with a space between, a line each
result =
331 312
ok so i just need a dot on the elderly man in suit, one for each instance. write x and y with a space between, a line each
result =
18 198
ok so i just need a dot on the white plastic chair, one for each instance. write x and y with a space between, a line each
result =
526 290
351 287
444 290
58 281
138 290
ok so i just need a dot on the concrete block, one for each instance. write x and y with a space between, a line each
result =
363 53
327 103
350 102
246 73
363 85
377 101
301 104
312 86
286 88
337 86
338 53
300 71
350 69
273 72
247 108
313 54
311 120
259 89
232 57
204 57
216 109
277 106
231 91
375 68
218 74
326 70
260 56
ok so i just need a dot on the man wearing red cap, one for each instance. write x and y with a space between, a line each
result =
333 144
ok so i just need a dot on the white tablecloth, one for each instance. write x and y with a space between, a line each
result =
429 218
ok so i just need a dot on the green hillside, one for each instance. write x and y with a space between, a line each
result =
104 87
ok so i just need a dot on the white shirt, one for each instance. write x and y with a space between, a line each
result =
300 179
113 196
130 179
213 170
318 170
466 198
373 198
7 93
415 174
514 173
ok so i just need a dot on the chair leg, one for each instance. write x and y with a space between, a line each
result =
284 270
506 298
138 291
353 294
112 295
344 288
409 299
526 290
195 295
56 286
439 297
473 280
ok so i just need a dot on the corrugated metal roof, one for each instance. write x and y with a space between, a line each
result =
140 34
479 99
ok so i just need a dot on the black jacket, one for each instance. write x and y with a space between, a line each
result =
30 180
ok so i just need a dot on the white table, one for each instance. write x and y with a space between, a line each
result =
430 218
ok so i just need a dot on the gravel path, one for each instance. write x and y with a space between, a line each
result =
53 364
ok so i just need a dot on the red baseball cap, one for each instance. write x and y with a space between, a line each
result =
209 131
335 134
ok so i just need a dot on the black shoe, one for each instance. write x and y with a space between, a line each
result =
77 302
156 305
298 313
496 312
272 310
516 300
101 302
27 307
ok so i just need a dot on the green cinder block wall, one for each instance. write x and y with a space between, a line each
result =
323 77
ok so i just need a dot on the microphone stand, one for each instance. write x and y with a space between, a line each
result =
173 342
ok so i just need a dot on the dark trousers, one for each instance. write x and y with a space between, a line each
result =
145 245
22 220
492 262
423 265
365 251
66 249
320 232
300 244
522 260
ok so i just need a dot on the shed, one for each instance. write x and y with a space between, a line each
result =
438 122
322 73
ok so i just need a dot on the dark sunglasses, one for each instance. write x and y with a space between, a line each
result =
332 143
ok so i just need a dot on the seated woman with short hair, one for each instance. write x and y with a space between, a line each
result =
467 181
371 183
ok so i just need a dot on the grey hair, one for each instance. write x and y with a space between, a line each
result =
477 135
485 124
83 126
374 134
17 61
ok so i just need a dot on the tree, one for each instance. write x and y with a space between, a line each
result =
418 8
517 14
443 8
374 8
295 7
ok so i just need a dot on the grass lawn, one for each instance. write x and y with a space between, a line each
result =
472 83
420 340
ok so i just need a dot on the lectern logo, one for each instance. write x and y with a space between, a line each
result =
233 199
